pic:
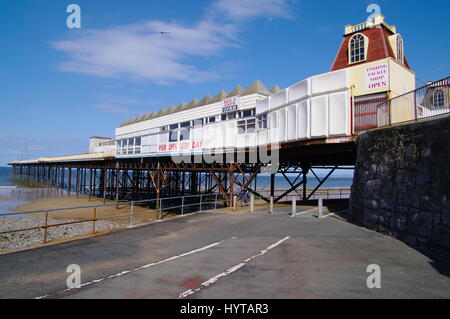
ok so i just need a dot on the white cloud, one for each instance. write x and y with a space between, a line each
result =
139 51
245 9
119 104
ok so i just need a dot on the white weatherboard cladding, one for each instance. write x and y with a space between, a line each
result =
263 137
163 138
319 116
219 138
281 126
303 122
213 135
146 140
153 139
278 99
262 106
230 133
299 91
103 149
317 107
208 131
240 140
339 114
197 134
291 122
245 140
273 127
329 82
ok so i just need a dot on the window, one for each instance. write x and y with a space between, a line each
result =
212 119
357 48
129 146
198 122
231 116
223 117
241 127
246 126
248 113
163 128
438 98
184 134
262 122
400 56
185 124
173 136
251 126
137 141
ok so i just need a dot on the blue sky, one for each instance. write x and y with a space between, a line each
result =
59 86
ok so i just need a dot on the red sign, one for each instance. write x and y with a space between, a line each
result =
196 145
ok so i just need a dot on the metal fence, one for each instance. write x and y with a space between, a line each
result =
164 206
133 213
325 193
428 101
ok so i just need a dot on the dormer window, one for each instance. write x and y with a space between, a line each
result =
357 48
400 55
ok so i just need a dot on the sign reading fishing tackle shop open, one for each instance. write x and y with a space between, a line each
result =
377 76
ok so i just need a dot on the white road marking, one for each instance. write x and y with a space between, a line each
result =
231 270
139 268
303 212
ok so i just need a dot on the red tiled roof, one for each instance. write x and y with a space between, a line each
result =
379 48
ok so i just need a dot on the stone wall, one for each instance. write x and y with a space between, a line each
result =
401 185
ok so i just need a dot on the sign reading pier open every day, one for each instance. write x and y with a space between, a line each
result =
377 76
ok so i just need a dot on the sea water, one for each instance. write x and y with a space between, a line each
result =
13 195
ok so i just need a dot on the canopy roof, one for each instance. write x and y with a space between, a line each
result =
256 87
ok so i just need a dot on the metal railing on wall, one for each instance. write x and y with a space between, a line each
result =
164 206
326 193
425 102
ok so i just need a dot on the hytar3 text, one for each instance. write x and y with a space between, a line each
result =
241 308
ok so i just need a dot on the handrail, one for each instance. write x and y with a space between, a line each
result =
100 205
414 105
201 203
423 87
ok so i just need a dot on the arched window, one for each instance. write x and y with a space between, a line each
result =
400 55
438 98
357 48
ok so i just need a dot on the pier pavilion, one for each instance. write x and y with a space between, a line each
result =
311 124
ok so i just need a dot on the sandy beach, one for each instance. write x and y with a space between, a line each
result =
36 236
87 213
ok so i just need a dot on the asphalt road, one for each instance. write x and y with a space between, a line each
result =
228 255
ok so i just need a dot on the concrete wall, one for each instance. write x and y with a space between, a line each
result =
401 185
